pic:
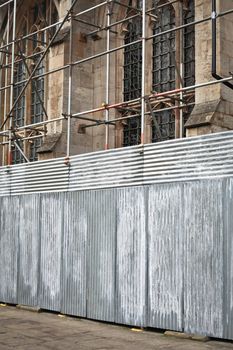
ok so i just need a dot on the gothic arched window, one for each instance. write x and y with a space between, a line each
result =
38 85
31 107
20 108
132 75
189 53
164 66
163 75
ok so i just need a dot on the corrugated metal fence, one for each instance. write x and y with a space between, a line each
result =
134 236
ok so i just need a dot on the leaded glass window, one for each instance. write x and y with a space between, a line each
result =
164 78
37 89
132 77
29 109
189 46
189 53
19 110
17 156
54 19
164 49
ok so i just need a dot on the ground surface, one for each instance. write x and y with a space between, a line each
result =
24 330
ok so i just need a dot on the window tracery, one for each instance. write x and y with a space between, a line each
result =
164 70
164 64
132 76
20 108
30 107
38 85
189 53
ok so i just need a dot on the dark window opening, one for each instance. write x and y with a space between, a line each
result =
17 156
54 19
39 12
132 77
164 76
18 118
189 54
38 84
166 123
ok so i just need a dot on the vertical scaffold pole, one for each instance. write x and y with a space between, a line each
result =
143 70
6 78
12 83
69 109
107 76
181 85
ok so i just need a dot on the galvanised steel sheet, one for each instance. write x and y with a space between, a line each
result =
51 251
154 163
4 181
227 268
101 251
188 159
42 176
131 257
203 269
165 256
9 243
29 249
74 254
159 255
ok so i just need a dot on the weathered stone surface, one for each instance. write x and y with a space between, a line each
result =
212 102
49 143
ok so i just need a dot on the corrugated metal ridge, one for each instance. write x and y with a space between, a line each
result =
201 157
153 149
158 147
158 162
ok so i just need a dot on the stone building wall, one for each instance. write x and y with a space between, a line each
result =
213 109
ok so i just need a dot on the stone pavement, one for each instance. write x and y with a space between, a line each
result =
24 330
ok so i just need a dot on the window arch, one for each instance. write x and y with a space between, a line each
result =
38 85
30 108
18 118
164 69
164 64
164 49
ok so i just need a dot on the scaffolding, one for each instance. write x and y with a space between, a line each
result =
141 107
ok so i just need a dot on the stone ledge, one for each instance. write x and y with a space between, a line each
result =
49 143
202 114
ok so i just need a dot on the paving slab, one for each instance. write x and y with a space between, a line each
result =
25 330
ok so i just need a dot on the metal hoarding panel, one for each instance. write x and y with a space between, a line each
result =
159 255
188 159
163 162
4 181
227 271
165 256
51 249
74 259
35 177
203 273
101 249
106 169
9 243
29 250
131 260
